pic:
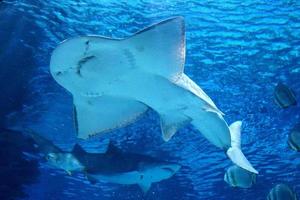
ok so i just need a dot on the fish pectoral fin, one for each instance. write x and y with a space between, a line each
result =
170 124
94 115
145 186
69 172
91 179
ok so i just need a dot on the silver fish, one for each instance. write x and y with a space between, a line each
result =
238 177
282 192
294 138
284 96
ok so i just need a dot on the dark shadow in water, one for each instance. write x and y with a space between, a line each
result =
15 169
16 58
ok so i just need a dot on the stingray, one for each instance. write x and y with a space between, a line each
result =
114 81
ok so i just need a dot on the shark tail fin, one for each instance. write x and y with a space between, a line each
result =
234 152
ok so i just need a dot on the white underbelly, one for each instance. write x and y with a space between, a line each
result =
154 91
122 178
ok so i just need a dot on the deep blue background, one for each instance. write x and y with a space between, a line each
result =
237 51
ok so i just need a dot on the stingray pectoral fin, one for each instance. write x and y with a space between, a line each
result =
171 123
234 152
160 48
105 113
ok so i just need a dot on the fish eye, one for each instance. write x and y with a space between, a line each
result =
51 156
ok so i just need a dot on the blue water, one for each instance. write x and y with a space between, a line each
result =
237 51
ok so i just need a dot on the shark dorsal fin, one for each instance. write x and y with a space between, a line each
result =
111 148
91 179
78 150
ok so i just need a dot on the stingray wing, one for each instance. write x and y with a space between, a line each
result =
160 48
101 66
105 113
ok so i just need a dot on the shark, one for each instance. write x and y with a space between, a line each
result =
115 166
113 81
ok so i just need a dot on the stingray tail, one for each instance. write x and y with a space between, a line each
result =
234 152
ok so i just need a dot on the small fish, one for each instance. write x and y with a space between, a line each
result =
294 138
284 96
282 192
238 177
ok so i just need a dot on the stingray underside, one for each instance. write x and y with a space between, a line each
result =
91 68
